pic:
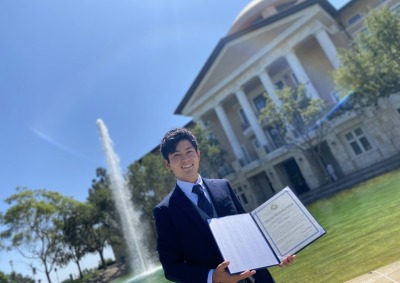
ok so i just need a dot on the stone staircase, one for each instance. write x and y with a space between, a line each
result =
351 180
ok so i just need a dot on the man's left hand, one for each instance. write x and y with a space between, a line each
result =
287 260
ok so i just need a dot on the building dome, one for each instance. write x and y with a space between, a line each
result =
257 10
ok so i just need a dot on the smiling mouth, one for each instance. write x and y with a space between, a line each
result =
187 166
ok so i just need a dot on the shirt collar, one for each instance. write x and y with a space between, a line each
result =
186 187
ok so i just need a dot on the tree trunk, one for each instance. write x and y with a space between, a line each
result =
79 268
102 259
47 272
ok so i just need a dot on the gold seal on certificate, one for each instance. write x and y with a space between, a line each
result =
279 227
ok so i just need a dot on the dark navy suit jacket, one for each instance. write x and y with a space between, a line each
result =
185 244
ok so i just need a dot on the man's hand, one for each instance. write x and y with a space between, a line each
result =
287 260
221 275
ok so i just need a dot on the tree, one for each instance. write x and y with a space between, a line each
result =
33 225
149 181
298 122
212 155
75 232
370 68
101 218
98 234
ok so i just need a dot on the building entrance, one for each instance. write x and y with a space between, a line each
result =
295 178
261 187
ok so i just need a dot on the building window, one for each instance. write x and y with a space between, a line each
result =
276 137
241 195
284 6
358 141
354 19
280 85
243 117
260 102
296 81
259 19
335 94
246 157
256 143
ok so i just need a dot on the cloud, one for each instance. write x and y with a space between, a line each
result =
58 144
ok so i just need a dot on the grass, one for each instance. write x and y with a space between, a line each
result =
154 277
363 234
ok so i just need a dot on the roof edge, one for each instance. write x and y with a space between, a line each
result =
222 42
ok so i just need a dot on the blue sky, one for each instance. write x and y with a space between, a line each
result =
64 64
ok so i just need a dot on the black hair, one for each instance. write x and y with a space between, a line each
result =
173 137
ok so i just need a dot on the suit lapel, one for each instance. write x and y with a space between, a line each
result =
221 197
217 194
185 208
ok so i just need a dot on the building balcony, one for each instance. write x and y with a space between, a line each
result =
277 152
225 171
251 166
262 152
245 165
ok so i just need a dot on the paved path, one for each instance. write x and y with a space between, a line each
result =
386 274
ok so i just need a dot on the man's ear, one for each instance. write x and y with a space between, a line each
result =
166 163
198 153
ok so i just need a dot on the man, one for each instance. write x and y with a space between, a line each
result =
186 247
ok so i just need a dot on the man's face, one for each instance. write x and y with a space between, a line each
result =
184 162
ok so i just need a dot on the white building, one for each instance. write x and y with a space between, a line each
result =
273 43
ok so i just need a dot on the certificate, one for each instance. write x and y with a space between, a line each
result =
279 227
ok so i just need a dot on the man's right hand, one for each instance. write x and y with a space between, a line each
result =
221 275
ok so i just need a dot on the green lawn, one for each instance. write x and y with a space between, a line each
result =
363 234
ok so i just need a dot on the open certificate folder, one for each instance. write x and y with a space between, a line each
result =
279 227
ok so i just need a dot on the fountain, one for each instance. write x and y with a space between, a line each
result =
139 258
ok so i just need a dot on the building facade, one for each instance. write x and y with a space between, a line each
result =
278 43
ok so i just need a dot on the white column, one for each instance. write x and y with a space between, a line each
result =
269 87
254 124
301 74
229 132
328 47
